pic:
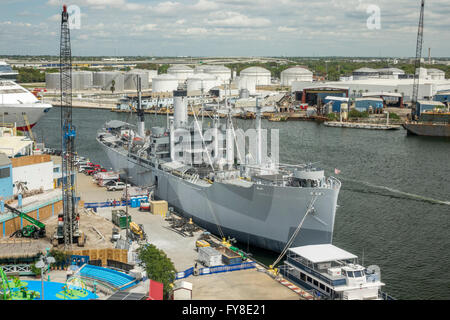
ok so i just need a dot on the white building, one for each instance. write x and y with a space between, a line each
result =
365 73
295 74
427 88
261 76
390 73
35 172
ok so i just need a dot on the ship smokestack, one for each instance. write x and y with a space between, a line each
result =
180 108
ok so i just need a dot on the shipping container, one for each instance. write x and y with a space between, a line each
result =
159 207
209 257
229 257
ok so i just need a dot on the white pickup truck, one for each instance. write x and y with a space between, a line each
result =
118 185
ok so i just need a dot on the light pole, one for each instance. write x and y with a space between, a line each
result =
126 205
43 262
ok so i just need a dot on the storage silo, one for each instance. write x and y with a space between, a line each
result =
221 72
248 83
296 73
104 79
52 81
202 80
130 82
150 73
181 72
164 83
260 75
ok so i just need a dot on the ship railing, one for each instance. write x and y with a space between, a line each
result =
333 183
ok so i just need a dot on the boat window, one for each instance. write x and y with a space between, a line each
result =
309 279
350 274
316 283
344 273
322 286
357 274
302 276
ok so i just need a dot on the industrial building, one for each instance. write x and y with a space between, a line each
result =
365 73
261 76
296 73
356 88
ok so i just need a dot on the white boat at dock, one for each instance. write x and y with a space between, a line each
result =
361 125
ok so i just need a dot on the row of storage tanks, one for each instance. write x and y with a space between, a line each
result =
207 77
82 80
203 77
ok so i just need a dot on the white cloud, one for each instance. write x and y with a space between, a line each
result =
235 19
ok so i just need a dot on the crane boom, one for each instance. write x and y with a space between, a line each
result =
417 62
69 231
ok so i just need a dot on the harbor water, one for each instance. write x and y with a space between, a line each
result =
394 205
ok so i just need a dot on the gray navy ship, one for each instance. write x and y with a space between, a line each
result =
252 199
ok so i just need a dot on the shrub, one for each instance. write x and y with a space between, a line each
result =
158 266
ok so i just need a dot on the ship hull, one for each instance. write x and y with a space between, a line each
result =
13 114
431 130
259 215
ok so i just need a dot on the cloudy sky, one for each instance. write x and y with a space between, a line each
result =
228 27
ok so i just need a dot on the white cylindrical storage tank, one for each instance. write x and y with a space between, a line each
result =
200 69
200 81
180 115
221 72
260 75
130 82
164 83
181 72
104 80
248 83
295 74
52 81
150 73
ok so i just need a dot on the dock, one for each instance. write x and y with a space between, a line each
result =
361 125
250 284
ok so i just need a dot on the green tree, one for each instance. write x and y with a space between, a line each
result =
158 266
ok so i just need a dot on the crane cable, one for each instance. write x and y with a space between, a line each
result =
294 235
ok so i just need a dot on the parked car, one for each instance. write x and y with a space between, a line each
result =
110 183
116 186
82 168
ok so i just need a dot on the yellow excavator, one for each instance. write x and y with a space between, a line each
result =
137 231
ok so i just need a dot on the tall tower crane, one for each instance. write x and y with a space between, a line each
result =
417 62
68 231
